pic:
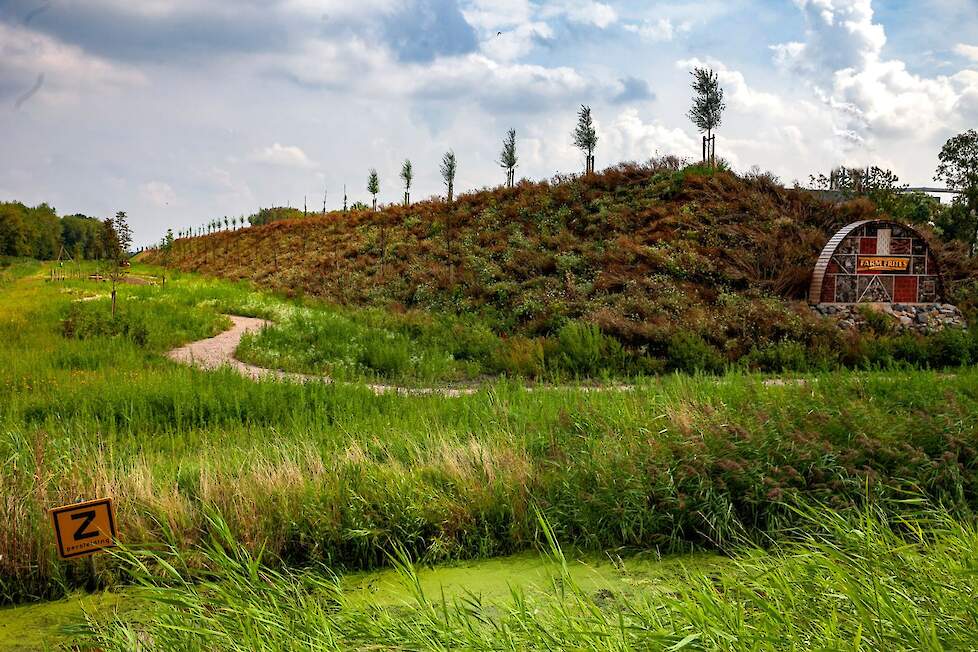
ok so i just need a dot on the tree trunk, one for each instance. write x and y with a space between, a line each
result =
448 239
113 299
383 249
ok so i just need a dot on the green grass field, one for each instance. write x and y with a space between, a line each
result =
301 477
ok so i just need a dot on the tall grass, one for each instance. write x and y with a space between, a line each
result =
843 582
314 474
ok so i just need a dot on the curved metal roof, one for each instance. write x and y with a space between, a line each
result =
818 276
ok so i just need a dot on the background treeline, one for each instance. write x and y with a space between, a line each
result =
38 232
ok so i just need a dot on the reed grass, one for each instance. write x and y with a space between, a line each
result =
841 581
318 474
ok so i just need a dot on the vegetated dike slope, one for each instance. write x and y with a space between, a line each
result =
645 252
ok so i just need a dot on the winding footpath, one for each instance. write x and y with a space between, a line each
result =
218 352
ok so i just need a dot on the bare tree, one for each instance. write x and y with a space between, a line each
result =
707 110
407 175
508 159
586 137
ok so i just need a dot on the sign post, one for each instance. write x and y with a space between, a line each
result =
84 528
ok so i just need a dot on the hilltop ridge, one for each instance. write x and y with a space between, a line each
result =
643 251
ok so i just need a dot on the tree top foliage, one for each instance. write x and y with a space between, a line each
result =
373 182
707 110
585 136
958 166
407 173
448 167
508 158
858 181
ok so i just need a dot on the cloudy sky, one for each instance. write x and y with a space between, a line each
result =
179 111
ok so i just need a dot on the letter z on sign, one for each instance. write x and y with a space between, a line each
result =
84 528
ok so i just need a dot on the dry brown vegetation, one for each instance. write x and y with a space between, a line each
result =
644 251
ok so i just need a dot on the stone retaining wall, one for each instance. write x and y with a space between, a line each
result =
918 317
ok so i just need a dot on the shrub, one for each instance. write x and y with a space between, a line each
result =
878 352
949 348
877 322
691 353
582 348
150 324
910 348
93 319
470 341
388 355
522 356
782 356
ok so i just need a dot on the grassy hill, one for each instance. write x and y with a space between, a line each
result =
657 256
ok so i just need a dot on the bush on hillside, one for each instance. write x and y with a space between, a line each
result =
523 357
877 322
691 353
949 348
585 351
778 357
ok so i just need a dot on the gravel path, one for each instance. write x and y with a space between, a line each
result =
218 352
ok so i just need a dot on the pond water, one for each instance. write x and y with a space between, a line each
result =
41 625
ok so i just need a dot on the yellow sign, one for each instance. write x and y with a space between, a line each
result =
883 264
84 528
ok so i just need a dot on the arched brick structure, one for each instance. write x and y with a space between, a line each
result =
876 261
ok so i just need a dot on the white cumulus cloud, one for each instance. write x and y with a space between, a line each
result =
871 96
283 155
158 193
585 12
968 51
657 30
628 137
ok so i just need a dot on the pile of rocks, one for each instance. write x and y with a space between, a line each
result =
915 317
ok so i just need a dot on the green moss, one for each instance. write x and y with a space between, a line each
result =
41 626
493 579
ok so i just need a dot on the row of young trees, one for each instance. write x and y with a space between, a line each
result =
958 170
706 113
